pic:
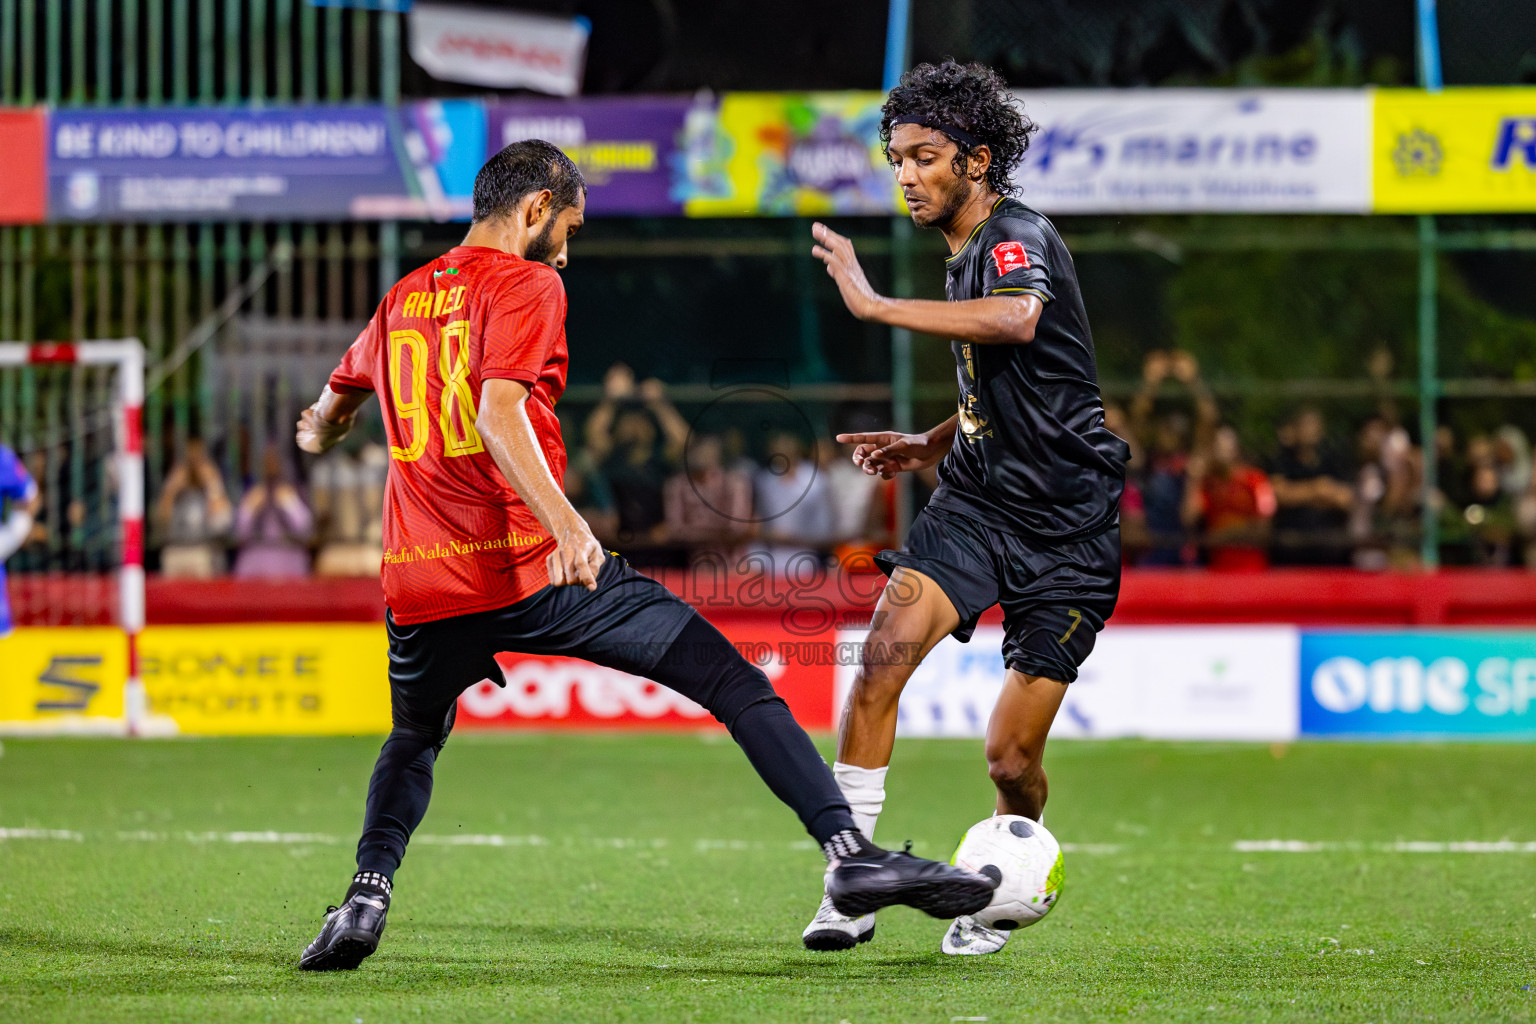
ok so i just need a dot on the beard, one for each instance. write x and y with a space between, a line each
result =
951 202
542 248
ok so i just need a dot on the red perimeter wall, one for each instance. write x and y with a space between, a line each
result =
1304 597
1459 597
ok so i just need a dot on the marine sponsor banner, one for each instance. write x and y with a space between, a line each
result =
1173 682
1452 683
63 679
629 150
23 173
194 164
1187 150
499 48
1457 151
790 155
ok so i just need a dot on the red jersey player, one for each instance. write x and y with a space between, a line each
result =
483 553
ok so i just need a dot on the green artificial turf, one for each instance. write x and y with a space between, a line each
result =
653 879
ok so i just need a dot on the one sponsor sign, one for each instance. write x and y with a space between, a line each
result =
628 149
1466 683
23 178
197 164
498 48
1461 150
789 155
1185 150
1175 682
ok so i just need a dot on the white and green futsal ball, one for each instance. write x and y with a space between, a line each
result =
1025 861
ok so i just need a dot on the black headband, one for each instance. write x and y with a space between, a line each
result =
939 126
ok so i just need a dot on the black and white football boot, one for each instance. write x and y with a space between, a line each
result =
861 878
829 930
966 937
351 931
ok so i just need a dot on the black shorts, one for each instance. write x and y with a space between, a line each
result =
1055 598
628 623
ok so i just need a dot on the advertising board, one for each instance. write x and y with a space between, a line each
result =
1158 682
1180 150
1457 151
1450 683
628 149
201 163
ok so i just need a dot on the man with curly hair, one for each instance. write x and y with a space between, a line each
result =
1025 514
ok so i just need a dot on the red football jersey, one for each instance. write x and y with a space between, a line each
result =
457 538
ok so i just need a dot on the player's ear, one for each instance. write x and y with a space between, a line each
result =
980 160
538 207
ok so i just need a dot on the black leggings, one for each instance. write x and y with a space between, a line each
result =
700 664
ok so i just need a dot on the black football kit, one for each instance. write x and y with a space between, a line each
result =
1026 511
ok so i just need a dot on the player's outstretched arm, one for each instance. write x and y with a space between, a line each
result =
326 422
885 453
509 436
994 320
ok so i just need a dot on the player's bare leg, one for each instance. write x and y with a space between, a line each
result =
1016 734
913 615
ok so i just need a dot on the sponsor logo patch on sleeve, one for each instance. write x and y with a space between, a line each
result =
1009 256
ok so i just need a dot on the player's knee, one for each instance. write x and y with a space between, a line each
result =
1015 771
740 687
878 686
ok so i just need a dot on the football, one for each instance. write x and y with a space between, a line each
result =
1024 859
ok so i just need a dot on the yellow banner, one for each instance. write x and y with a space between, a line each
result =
68 679
207 680
268 680
1457 151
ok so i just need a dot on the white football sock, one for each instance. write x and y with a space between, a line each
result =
864 789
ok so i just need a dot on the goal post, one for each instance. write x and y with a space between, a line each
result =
126 357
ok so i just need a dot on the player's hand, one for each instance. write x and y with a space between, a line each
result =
576 559
836 252
1184 367
888 452
618 383
316 435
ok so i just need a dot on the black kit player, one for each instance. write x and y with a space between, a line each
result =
1025 514
483 553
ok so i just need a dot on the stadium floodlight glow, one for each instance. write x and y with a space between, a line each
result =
126 355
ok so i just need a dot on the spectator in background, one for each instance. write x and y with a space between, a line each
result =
793 506
273 525
709 507
636 437
1232 503
1384 523
1313 495
1491 509
193 516
1134 537
1173 435
590 496
348 495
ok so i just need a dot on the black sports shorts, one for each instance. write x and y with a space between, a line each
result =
1055 597
628 623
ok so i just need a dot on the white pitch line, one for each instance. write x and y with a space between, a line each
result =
1305 846
275 838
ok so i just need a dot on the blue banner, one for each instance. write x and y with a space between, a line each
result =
1452 683
213 164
